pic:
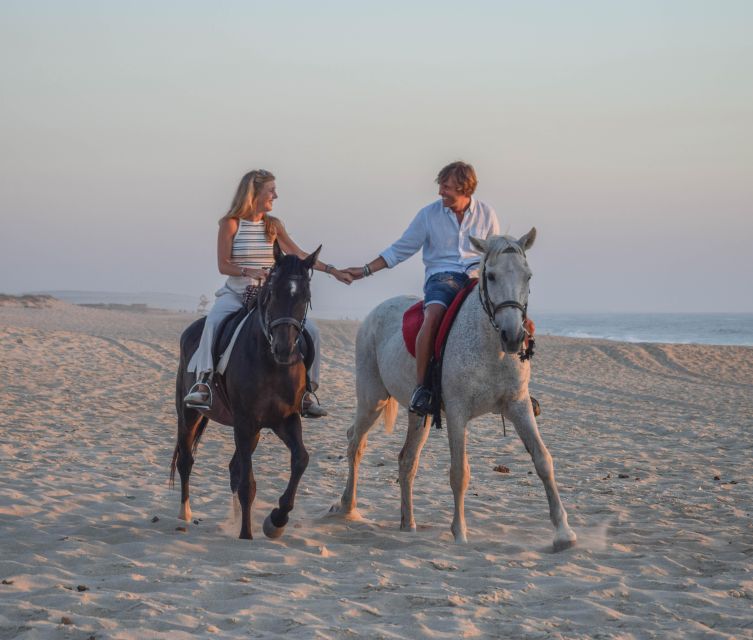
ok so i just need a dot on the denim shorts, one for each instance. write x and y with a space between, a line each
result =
441 288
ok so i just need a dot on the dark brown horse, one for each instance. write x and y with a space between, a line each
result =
262 387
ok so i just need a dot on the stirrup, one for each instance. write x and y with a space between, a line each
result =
420 401
197 402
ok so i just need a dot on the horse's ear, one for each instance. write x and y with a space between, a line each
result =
480 245
310 260
526 241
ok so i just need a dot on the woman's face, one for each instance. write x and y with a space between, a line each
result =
265 197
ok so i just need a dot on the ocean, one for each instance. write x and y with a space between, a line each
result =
690 328
681 328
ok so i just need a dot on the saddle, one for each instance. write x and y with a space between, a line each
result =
413 318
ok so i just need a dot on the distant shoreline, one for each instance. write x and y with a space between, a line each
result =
721 329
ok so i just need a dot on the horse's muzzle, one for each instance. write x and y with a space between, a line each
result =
285 355
512 344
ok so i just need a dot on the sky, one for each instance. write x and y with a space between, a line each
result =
623 131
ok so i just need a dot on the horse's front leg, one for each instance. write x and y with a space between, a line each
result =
460 472
235 475
521 414
291 434
418 432
245 438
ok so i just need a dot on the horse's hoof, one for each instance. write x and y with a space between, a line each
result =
564 543
338 511
270 530
410 529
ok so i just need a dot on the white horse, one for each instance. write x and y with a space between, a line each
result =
478 377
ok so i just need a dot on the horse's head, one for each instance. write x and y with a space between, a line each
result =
503 282
284 302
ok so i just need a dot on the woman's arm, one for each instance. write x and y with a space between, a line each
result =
289 246
225 235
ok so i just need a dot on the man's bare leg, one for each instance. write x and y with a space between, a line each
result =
421 398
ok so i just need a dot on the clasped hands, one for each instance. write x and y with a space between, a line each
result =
356 273
341 275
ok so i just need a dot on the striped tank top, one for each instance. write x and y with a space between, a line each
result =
250 249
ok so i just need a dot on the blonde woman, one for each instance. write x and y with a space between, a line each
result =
245 254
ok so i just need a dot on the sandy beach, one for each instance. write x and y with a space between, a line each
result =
652 446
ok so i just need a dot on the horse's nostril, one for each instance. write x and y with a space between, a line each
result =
504 336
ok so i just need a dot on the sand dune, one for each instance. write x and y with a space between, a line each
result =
652 447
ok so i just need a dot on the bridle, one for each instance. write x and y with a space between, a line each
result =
491 309
267 324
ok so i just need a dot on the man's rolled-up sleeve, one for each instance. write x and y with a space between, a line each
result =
408 244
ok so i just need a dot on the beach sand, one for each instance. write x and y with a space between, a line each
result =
652 446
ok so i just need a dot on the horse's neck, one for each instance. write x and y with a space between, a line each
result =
257 338
475 361
475 321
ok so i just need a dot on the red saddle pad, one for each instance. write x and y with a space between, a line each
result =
413 318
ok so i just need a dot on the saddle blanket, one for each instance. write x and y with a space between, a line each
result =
413 318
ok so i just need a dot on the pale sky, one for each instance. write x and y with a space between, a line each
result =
622 130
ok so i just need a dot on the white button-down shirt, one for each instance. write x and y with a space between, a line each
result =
446 244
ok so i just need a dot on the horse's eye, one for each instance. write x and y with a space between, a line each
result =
491 277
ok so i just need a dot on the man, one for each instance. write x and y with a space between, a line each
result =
442 229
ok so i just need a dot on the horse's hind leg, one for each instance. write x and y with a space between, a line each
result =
372 400
418 432
366 415
291 434
460 472
521 414
191 425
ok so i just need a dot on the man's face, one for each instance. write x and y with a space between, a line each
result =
451 195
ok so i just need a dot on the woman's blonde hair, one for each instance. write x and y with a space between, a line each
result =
242 206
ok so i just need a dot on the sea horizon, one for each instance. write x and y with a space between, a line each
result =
695 327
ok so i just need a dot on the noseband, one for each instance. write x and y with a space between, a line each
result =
267 325
491 310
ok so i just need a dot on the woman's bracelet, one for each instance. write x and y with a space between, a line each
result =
244 272
328 268
366 270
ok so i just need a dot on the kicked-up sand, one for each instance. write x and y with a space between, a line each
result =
653 451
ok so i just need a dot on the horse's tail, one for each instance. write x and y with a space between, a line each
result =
389 414
197 436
